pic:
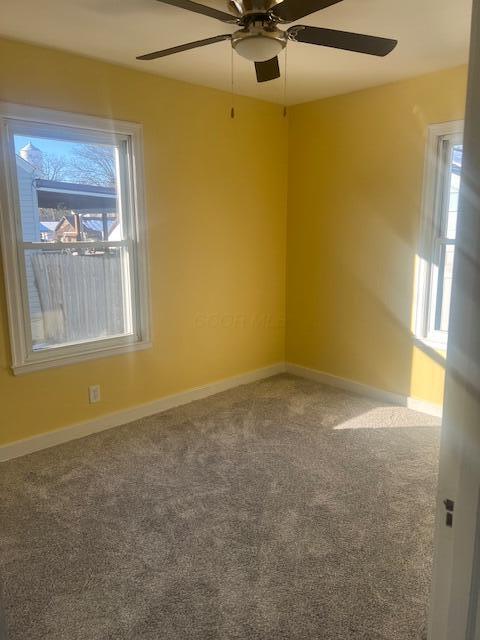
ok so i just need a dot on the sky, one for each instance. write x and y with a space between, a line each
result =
47 145
66 150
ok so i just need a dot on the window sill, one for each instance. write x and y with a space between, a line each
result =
68 359
439 346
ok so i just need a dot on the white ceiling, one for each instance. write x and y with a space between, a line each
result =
432 34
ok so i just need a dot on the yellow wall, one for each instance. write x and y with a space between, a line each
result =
216 235
354 201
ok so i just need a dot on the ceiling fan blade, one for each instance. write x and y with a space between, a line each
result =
358 42
183 47
203 9
268 70
291 10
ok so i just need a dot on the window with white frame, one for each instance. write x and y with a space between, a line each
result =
73 236
439 226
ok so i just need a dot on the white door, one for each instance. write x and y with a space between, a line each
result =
454 612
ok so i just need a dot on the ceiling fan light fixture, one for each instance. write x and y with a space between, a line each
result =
258 47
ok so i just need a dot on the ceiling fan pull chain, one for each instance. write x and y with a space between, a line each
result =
285 85
232 109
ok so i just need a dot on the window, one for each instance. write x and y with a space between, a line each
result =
73 237
437 246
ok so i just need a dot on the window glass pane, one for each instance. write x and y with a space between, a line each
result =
68 191
77 294
444 293
453 191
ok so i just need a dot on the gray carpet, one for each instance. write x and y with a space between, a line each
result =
283 509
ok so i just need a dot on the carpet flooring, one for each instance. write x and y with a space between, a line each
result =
279 510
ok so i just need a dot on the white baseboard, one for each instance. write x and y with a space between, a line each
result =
425 407
87 427
365 390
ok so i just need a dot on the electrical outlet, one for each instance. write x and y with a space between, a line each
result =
94 393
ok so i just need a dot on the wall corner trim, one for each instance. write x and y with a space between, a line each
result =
365 390
87 427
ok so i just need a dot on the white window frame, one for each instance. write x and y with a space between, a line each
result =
432 210
24 359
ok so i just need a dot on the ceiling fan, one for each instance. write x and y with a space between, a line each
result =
260 40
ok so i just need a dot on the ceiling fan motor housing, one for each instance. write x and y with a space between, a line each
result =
252 7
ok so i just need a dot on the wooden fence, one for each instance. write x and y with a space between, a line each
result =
81 296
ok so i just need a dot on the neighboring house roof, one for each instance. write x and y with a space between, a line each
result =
53 194
48 226
91 224
97 225
73 187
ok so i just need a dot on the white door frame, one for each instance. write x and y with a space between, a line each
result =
454 611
